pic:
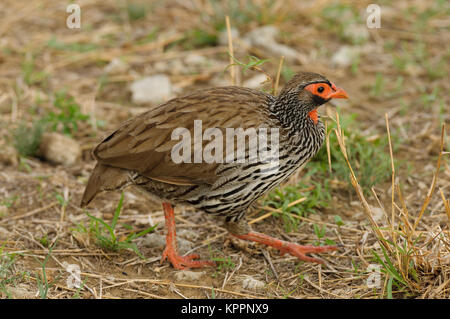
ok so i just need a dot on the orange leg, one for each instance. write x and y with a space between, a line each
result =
293 249
170 252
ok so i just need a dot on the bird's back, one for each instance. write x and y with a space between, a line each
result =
142 145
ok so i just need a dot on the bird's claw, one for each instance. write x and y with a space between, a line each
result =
300 251
183 262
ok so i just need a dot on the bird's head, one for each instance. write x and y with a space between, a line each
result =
306 91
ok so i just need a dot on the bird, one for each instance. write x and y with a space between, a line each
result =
141 151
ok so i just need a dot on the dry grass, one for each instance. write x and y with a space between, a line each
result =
398 87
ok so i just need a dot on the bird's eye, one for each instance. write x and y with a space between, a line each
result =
320 89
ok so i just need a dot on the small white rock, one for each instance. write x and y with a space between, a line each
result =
377 213
252 283
130 197
116 66
154 241
59 149
4 233
345 56
195 60
159 241
255 82
151 89
21 291
188 275
184 245
268 32
278 49
265 38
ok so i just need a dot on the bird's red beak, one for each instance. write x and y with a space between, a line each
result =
338 94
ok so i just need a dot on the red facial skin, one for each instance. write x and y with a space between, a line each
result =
326 92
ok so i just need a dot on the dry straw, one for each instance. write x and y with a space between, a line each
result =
403 237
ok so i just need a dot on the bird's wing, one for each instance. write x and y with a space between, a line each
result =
144 143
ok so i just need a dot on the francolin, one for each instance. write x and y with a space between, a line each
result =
140 152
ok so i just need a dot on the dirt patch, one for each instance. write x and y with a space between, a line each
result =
399 69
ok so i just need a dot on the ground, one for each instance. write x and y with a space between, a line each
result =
393 233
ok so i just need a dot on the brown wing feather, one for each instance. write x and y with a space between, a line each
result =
144 144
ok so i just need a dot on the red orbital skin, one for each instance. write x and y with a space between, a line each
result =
326 92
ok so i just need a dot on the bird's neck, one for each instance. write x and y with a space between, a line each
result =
304 134
295 118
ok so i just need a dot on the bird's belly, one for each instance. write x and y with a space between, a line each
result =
233 193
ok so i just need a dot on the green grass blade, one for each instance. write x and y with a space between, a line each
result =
117 212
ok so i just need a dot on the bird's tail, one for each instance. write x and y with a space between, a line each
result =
103 178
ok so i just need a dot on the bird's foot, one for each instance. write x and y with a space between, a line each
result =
171 253
284 247
183 262
300 251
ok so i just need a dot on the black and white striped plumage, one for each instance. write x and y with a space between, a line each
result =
139 151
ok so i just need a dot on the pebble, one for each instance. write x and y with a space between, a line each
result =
195 60
152 89
256 81
252 283
188 275
4 233
154 241
265 38
345 56
116 66
59 149
21 291
159 241
377 213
